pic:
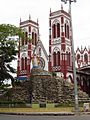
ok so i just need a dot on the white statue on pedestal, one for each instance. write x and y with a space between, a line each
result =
35 61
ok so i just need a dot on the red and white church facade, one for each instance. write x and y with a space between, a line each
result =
59 59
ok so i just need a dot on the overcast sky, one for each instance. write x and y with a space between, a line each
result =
12 10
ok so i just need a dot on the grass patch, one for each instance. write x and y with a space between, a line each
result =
35 106
50 105
35 110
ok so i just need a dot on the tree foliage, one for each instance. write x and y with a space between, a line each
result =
8 50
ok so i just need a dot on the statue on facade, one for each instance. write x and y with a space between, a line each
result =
35 61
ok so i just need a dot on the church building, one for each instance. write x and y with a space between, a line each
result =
32 53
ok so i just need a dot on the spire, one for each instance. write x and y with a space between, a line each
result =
81 48
50 11
29 17
20 20
61 7
37 20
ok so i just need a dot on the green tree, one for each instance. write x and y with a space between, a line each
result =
8 51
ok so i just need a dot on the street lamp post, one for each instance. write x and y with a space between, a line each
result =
73 57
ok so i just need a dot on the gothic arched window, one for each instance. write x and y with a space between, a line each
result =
67 31
35 38
29 29
54 59
58 54
86 58
78 56
22 63
58 30
25 63
54 31
68 58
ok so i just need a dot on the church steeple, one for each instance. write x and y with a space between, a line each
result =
28 42
59 42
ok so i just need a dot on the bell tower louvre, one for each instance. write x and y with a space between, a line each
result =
60 60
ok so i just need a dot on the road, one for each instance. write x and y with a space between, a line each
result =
24 117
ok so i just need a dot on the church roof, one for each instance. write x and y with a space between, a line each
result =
59 12
28 22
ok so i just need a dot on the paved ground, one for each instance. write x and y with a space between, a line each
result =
24 117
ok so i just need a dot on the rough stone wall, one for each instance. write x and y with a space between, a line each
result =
45 87
16 94
42 86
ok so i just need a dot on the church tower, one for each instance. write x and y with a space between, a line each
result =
26 47
60 60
